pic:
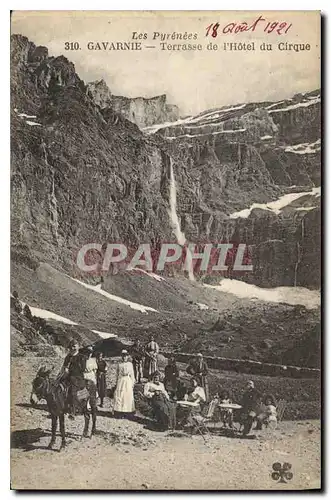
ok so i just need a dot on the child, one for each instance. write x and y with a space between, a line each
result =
271 411
226 413
268 415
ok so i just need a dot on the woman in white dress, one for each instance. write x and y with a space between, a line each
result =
90 377
91 367
123 396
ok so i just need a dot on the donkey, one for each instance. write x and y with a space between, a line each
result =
56 395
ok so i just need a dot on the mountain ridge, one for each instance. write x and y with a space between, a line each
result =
73 154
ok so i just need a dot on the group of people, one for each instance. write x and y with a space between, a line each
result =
86 371
83 371
254 406
166 411
144 358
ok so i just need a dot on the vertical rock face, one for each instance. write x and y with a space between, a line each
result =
100 93
79 174
299 121
82 171
139 110
229 157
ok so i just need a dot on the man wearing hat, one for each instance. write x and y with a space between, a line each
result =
250 405
73 367
151 351
198 368
251 397
137 354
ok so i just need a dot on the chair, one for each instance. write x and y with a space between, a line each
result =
200 421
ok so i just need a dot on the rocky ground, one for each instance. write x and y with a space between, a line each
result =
128 455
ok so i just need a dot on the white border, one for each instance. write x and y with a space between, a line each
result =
5 161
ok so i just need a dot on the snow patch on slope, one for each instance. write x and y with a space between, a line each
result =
305 148
33 124
298 105
104 335
150 274
115 298
43 313
289 295
275 206
227 131
209 115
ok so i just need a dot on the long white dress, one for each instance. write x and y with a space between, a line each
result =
123 397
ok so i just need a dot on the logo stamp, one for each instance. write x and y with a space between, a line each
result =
282 473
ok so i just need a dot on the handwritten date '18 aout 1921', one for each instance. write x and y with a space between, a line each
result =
279 27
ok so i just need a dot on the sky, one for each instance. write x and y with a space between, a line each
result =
193 80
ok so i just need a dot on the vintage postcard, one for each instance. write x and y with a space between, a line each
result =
165 250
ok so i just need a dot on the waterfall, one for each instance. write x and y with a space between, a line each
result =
180 236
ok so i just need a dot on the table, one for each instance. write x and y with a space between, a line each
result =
228 420
188 404
230 406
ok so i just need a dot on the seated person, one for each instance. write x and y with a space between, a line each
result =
226 413
195 394
251 399
250 403
269 413
164 410
198 368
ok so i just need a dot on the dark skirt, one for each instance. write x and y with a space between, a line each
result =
101 382
165 411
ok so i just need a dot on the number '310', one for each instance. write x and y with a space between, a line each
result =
71 46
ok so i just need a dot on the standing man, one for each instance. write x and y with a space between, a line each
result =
151 351
137 355
171 375
198 368
73 367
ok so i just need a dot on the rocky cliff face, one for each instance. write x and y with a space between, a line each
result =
139 110
79 174
228 157
83 172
